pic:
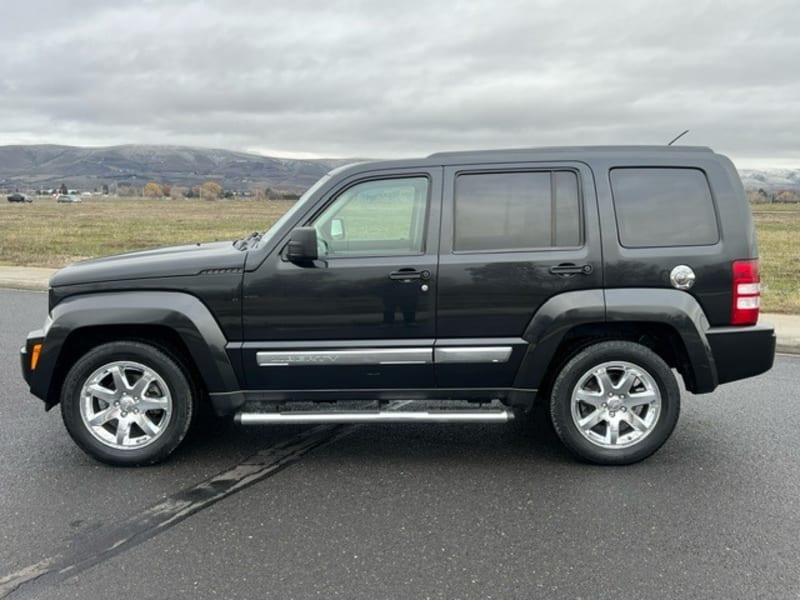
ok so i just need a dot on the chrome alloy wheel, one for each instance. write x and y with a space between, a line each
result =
616 404
125 405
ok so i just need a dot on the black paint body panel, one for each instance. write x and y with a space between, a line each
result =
741 352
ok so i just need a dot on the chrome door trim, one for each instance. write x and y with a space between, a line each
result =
323 355
367 356
471 354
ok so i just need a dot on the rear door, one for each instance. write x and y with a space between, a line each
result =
513 235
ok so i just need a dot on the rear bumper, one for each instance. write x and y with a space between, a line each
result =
741 352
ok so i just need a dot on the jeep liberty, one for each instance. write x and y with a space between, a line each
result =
486 281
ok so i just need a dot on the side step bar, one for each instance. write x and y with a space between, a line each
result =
382 416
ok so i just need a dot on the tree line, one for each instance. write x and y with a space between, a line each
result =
761 196
210 190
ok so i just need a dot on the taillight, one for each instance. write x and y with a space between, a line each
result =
746 292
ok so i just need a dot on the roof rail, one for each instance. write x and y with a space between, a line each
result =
571 149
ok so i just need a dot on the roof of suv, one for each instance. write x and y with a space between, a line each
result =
532 154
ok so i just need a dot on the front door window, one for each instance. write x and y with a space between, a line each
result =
375 218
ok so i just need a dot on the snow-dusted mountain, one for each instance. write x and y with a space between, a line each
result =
27 167
771 180
87 168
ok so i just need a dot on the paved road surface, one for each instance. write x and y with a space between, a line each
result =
404 511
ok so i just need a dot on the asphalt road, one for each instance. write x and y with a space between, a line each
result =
403 511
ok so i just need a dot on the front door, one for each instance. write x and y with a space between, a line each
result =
363 315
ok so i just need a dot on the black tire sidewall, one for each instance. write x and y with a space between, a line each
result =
583 361
178 382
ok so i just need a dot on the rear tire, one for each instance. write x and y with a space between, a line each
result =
614 403
128 403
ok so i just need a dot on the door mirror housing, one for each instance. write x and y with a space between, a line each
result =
302 245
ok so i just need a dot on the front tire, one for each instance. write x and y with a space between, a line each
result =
127 403
615 403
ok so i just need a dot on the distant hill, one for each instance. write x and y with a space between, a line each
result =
48 166
771 180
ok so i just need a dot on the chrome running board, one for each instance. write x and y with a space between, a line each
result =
379 416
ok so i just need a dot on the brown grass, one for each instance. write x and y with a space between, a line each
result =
779 249
47 234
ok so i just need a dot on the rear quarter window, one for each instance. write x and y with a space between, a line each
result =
657 207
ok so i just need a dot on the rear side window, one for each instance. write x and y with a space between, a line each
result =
516 211
663 207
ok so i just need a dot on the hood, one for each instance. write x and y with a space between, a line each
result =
174 261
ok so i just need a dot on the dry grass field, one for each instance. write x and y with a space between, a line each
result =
46 234
778 227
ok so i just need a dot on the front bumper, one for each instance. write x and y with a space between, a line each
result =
34 337
741 352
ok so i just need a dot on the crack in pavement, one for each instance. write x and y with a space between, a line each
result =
101 544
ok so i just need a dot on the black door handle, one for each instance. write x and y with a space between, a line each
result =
571 269
409 274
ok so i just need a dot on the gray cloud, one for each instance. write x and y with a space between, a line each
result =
368 78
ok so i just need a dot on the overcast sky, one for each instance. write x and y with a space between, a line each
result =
388 78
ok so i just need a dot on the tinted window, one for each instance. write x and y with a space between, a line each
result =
663 207
514 211
376 218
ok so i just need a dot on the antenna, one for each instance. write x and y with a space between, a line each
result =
677 138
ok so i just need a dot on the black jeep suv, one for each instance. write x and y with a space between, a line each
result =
487 280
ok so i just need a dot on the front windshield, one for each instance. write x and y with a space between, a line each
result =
289 215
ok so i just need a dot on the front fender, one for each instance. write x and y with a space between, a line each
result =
180 312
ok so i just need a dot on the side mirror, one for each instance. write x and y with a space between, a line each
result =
337 229
302 245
